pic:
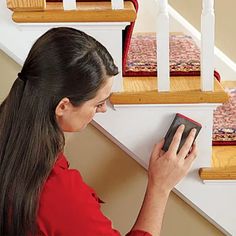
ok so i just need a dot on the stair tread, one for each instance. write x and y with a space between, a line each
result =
85 12
223 156
223 165
143 90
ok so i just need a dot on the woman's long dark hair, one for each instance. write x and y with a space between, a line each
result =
64 62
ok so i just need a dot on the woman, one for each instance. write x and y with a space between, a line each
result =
65 80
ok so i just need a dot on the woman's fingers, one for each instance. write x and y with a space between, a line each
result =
188 144
167 169
191 157
157 152
176 139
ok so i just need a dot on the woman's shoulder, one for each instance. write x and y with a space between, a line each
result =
64 191
69 206
64 181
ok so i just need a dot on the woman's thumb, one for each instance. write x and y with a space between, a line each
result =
157 149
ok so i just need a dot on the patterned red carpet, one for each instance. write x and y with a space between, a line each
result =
224 127
142 61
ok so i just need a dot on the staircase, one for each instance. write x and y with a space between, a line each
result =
141 109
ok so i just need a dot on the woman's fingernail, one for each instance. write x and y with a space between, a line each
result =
194 130
182 126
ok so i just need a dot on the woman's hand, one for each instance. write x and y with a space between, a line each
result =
166 169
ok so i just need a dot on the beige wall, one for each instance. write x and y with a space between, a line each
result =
117 178
225 29
225 21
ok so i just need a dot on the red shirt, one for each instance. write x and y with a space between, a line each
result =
68 207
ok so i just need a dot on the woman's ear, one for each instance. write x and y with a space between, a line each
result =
63 106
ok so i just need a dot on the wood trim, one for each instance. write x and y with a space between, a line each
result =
25 5
140 90
218 173
86 12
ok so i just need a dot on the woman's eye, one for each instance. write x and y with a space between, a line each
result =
100 105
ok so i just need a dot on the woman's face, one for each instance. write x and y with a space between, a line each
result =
71 118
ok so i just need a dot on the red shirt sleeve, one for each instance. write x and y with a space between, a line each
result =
68 207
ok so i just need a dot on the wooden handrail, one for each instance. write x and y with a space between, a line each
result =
226 173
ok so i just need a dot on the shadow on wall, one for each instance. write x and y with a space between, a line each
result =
111 170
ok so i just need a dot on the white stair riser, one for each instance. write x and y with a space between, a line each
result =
144 125
109 34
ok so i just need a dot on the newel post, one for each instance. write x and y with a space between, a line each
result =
163 47
207 45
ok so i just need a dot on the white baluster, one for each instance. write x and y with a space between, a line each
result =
163 47
117 4
207 45
69 5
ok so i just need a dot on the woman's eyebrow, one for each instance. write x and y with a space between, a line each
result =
104 99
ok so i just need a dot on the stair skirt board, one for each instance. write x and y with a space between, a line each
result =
138 136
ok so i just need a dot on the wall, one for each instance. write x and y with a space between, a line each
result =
225 30
117 178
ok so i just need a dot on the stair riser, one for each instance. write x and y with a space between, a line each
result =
109 34
144 125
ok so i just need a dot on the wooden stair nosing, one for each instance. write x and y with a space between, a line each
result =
86 12
227 173
179 97
183 90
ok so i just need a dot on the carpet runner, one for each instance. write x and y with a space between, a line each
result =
142 59
224 126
